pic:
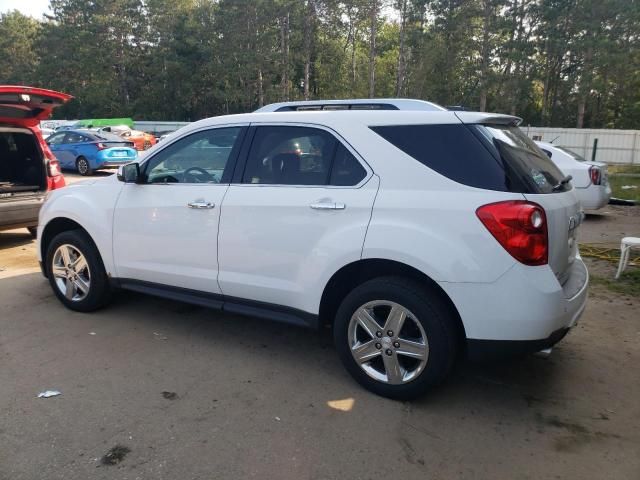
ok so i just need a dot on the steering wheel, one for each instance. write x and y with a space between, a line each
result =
202 176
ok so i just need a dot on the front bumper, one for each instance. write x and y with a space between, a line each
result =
525 310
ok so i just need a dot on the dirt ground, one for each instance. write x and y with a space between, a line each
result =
153 389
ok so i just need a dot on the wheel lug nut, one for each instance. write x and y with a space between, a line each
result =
390 333
378 346
396 344
388 351
378 334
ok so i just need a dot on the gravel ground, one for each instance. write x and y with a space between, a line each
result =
153 389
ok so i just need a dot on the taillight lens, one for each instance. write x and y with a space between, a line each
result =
596 175
53 168
520 227
101 146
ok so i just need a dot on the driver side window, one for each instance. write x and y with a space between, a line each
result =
201 157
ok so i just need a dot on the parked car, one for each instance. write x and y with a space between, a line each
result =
85 151
28 169
141 140
418 236
46 132
590 179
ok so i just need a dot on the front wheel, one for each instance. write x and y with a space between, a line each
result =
83 166
395 337
76 272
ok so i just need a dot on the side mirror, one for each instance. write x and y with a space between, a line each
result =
129 173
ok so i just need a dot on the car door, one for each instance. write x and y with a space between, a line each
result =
166 227
75 145
60 149
296 212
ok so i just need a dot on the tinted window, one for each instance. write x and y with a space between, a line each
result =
346 170
198 158
523 161
73 137
489 157
56 138
290 156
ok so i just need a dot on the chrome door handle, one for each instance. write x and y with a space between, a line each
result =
328 206
200 204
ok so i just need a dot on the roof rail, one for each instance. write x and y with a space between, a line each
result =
352 104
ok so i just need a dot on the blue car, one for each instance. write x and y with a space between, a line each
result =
86 151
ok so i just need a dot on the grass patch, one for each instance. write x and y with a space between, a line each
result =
628 283
621 169
618 181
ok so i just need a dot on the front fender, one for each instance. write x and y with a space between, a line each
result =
89 204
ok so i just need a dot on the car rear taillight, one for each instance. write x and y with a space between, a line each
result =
101 146
520 227
596 175
53 168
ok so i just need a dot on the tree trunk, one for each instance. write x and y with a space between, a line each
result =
484 66
309 20
402 59
372 48
284 38
260 89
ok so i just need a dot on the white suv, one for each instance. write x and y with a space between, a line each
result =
418 236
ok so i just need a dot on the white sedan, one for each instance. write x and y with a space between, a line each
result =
590 179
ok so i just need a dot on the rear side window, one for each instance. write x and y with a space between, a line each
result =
346 169
282 155
498 158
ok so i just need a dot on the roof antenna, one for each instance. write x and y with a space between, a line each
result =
555 139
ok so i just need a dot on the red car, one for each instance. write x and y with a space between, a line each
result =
28 169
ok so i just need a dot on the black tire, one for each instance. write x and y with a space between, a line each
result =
33 231
99 293
83 166
429 310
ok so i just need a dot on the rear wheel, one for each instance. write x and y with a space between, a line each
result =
395 337
83 166
76 272
33 231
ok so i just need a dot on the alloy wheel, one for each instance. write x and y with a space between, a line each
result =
388 342
83 166
71 273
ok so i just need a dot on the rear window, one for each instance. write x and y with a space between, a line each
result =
573 154
491 157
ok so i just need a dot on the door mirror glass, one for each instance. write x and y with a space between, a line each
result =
129 173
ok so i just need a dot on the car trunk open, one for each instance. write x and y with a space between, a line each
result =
22 167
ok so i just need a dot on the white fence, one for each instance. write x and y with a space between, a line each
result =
614 146
158 126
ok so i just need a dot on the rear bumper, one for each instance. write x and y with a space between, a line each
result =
487 350
525 310
112 164
594 197
16 212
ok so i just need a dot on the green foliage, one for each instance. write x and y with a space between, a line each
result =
552 62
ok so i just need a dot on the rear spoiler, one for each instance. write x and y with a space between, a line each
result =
494 118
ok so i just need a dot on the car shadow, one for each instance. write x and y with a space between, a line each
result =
596 217
286 350
15 238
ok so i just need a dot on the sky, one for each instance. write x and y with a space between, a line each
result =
34 8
